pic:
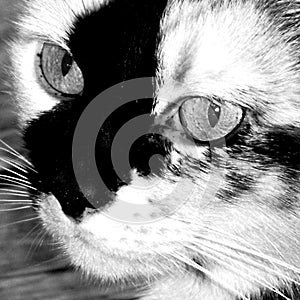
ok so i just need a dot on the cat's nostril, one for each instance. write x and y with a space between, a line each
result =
148 154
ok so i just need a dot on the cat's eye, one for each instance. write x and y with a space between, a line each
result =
60 71
206 121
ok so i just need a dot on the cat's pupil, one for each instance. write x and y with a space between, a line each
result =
66 64
214 112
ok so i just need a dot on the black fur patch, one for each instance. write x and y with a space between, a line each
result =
237 185
280 146
270 147
114 44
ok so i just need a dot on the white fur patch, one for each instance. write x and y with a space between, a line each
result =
54 20
32 97
42 21
232 52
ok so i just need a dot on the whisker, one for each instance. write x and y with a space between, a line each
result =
14 164
28 233
240 241
252 252
14 201
16 153
274 246
255 252
22 166
4 177
32 269
158 253
4 204
14 194
275 262
191 263
11 153
248 261
20 222
38 236
256 279
15 209
15 178
218 231
59 259
14 185
13 172
222 233
14 191
41 241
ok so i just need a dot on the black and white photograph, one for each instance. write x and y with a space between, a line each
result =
149 149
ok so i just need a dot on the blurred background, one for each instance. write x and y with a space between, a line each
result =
31 268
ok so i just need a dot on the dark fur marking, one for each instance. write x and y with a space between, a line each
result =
277 146
237 185
124 49
280 146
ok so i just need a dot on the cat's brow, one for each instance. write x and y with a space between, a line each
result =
53 20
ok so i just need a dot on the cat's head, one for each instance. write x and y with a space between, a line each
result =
165 137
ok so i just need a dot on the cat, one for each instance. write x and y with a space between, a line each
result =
161 141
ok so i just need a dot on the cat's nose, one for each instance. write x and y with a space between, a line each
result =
128 141
149 153
115 140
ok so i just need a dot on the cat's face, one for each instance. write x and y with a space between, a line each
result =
215 93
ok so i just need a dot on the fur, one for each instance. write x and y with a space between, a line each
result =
236 236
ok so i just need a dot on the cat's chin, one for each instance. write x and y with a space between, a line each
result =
112 252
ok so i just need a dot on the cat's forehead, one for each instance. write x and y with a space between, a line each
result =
232 50
210 50
54 20
237 51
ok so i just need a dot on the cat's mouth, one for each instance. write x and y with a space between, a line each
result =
104 247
